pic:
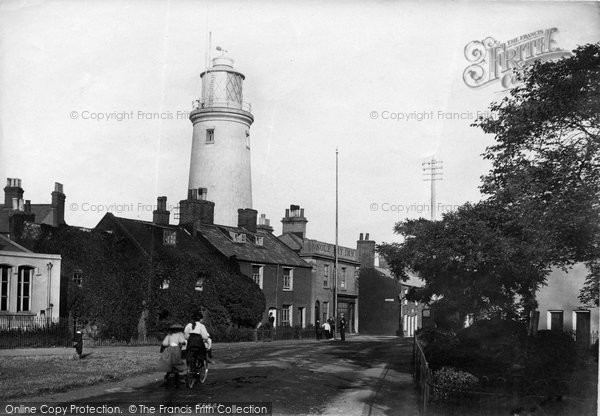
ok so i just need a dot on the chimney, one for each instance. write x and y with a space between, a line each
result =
366 252
294 221
160 215
264 224
27 206
16 223
247 219
58 205
196 208
12 190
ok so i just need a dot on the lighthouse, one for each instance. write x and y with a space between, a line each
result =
220 159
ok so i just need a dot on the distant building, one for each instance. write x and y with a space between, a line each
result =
559 308
15 212
321 256
29 282
384 309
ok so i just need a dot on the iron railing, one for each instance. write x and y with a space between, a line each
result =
244 105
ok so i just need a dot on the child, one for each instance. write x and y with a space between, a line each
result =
196 330
170 358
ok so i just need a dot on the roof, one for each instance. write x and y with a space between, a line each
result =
43 213
9 245
292 241
272 251
413 279
4 222
147 237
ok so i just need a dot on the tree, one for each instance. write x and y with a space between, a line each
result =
546 161
468 261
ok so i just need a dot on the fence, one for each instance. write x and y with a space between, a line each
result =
544 397
30 332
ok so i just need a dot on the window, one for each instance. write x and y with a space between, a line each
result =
78 277
257 275
343 278
247 139
237 237
169 237
24 288
4 287
286 315
260 241
326 275
210 135
325 311
288 279
164 284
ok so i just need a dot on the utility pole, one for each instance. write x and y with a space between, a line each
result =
433 173
335 275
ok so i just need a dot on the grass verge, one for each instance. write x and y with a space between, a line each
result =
30 376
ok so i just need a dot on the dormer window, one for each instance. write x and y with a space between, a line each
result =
199 284
169 237
260 241
164 284
237 237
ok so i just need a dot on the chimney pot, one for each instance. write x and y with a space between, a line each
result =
361 237
367 237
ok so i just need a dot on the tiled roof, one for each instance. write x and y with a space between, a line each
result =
43 213
292 241
149 236
272 251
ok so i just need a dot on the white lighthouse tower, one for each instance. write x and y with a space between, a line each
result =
220 163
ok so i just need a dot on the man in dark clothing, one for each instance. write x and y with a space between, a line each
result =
318 329
342 327
331 322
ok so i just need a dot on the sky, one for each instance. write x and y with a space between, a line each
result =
95 95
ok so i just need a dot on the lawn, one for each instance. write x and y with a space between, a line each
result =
29 376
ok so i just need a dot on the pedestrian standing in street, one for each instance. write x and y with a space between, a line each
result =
318 329
327 329
331 321
271 325
342 327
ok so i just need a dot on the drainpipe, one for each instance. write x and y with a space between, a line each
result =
49 309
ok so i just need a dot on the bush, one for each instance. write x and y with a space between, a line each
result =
449 380
439 346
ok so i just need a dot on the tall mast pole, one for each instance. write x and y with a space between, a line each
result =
335 275
433 173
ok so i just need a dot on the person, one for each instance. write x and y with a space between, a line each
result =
170 358
198 338
332 326
318 329
342 327
327 329
271 325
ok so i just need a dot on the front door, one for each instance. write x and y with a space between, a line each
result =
582 331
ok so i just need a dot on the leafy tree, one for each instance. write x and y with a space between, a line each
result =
546 161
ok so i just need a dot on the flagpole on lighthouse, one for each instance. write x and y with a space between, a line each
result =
335 275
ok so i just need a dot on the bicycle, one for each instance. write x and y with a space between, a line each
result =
197 367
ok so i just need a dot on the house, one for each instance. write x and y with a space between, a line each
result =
321 256
15 211
283 277
384 309
559 308
29 285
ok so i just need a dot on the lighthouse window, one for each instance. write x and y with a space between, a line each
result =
210 135
247 139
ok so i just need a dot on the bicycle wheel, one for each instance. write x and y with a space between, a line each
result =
203 370
190 377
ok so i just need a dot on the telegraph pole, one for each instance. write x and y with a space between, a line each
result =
433 173
335 275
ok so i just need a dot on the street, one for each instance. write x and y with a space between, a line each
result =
363 376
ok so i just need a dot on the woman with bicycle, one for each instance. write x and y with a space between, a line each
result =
198 349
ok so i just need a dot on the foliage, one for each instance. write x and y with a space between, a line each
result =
551 355
541 208
467 263
448 380
546 161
